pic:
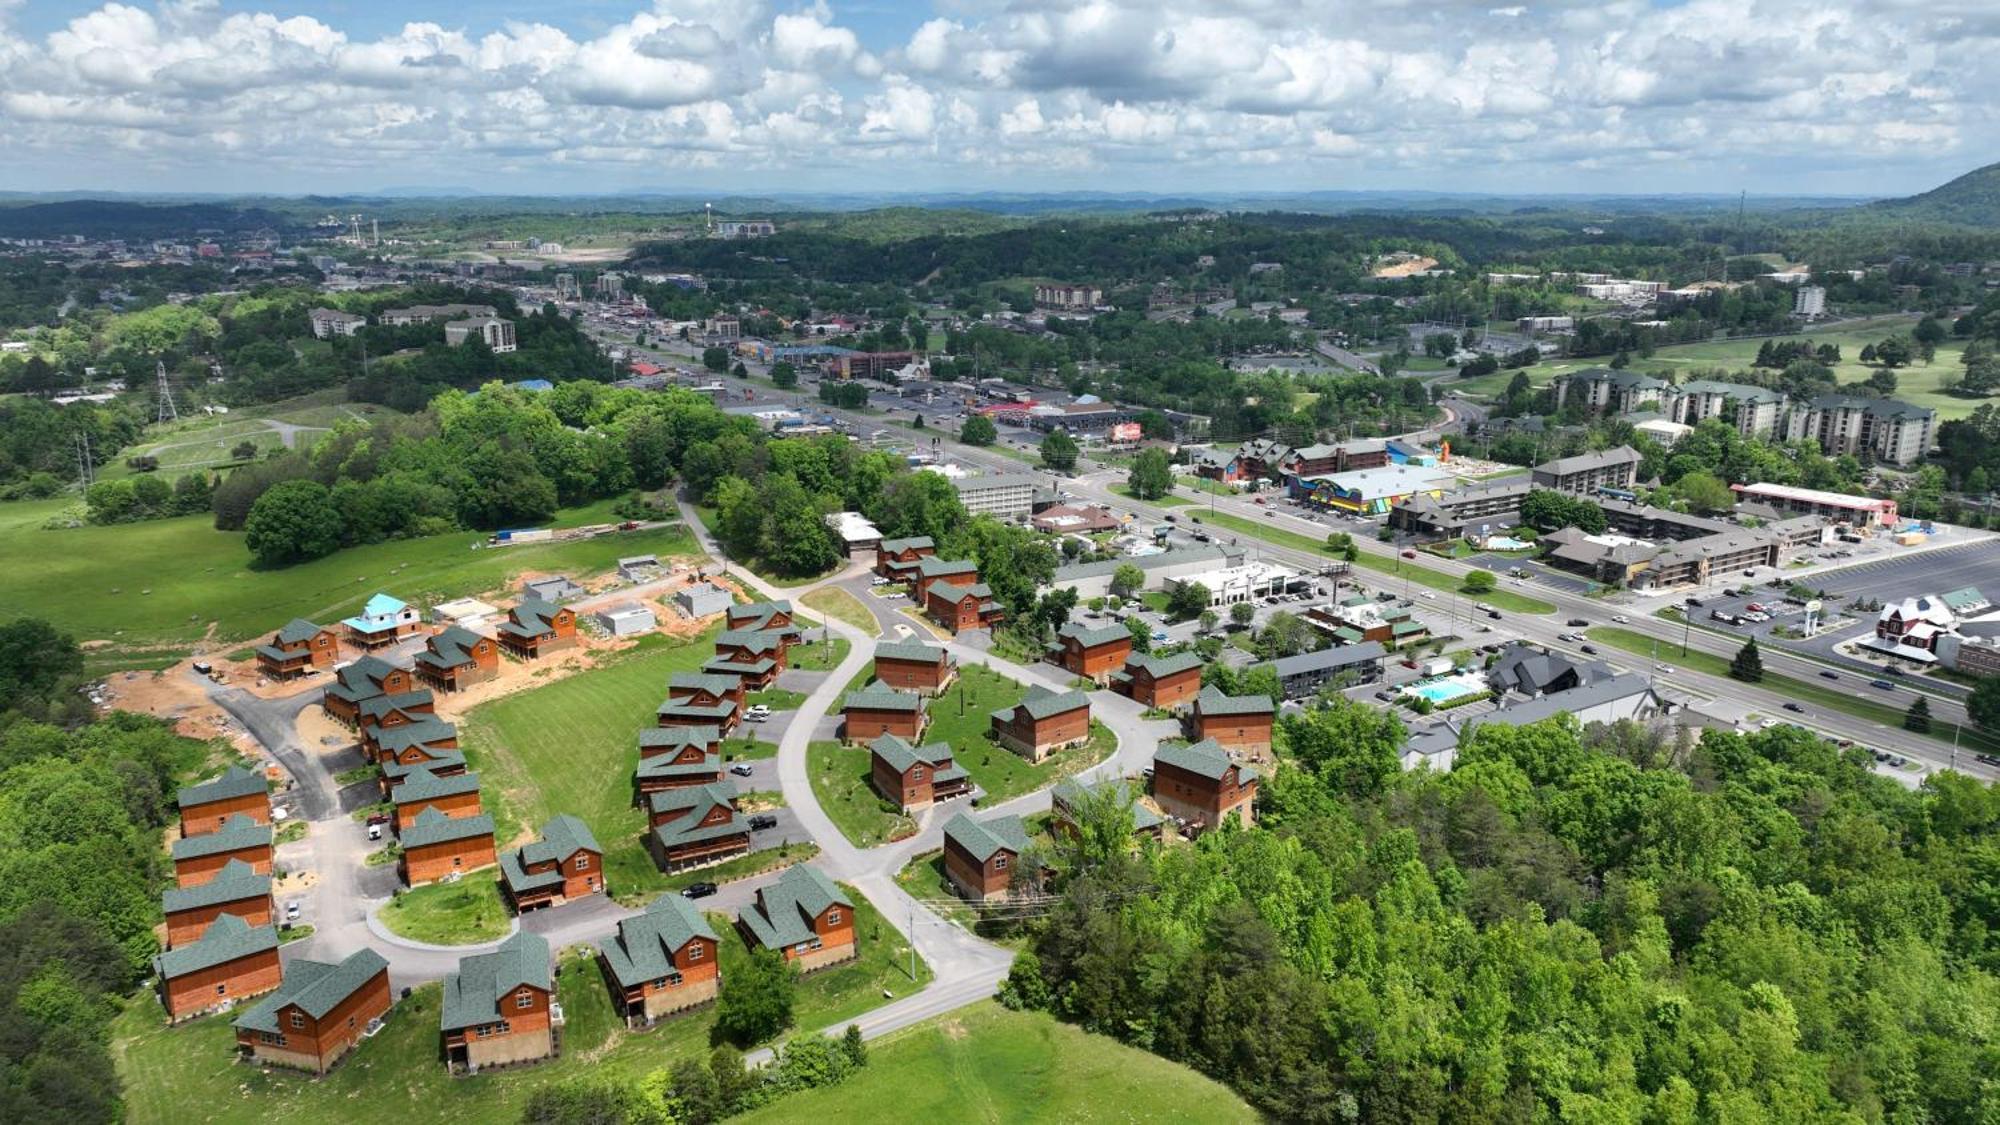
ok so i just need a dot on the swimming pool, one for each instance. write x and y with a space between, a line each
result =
1443 689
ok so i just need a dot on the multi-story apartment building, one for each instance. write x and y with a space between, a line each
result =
490 330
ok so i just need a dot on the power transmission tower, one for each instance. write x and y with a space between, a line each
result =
168 412
85 471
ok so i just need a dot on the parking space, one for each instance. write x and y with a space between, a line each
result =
1923 572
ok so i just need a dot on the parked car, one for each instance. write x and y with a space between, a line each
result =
761 821
374 832
1494 614
740 769
1695 602
698 890
292 910
1987 759
202 667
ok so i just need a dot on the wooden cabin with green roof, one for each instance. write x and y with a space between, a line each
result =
455 658
914 778
665 960
981 857
565 864
695 826
1091 652
1238 722
1162 683
299 648
677 757
805 917
360 679
319 1013
877 710
535 628
204 808
453 794
499 1008
914 666
233 961
1043 723
1202 785
198 859
436 846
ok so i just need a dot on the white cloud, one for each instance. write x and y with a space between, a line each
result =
1161 94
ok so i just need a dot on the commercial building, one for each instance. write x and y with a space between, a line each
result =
1006 495
1370 491
1862 510
328 323
1464 510
855 533
1585 474
424 314
1895 433
1093 579
1304 675
1620 696
1609 391
1246 582
492 331
1068 297
1913 627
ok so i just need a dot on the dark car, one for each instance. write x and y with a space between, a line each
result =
1590 650
1793 707
1695 602
1987 759
762 821
1494 614
1828 676
698 890
1577 622
1883 684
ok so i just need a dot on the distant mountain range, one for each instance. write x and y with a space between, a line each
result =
1971 200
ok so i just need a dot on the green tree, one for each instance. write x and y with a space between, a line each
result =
1186 600
1059 452
243 451
1284 634
1242 613
1704 492
1983 705
1207 621
783 375
1748 664
1351 748
1127 580
1142 634
1478 582
36 660
1152 476
715 359
1918 717
978 429
758 1002
292 522
794 538
854 1046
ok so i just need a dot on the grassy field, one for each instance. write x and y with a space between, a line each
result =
1806 692
1396 567
987 1064
571 747
1168 501
813 656
468 912
962 718
156 589
1919 383
187 1075
842 606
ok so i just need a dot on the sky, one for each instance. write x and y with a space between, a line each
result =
1839 97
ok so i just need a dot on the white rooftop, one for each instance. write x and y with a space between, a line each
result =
853 527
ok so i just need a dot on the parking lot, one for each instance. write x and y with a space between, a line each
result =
1922 572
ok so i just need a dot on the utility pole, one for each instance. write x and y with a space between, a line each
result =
86 472
164 391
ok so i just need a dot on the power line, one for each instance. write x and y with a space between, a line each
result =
164 392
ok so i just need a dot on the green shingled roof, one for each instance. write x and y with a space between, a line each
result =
1213 702
473 994
561 838
756 640
297 631
1091 637
908 650
901 755
1069 792
709 682
359 680
235 882
664 765
1160 667
236 782
1405 628
692 713
645 943
913 543
434 827
1206 758
316 987
449 648
785 909
424 732
442 762
376 706
983 838
533 617
227 939
880 697
724 667
236 833
424 784
1042 703
933 567
677 737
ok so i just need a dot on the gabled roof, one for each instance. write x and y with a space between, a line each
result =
723 667
561 838
710 682
359 680
913 543
449 648
1041 703
1340 656
227 939
236 833
235 782
532 618
1617 455
1069 791
645 943
900 755
930 566
434 827
1206 759
667 766
915 651
424 732
785 909
880 697
379 606
701 797
756 640
424 784
297 631
235 882
1160 667
1211 701
397 772
1091 636
983 838
472 995
315 987
679 737
685 712
376 706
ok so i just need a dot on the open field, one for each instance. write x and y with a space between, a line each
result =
839 777
987 1064
571 747
188 1075
165 584
467 912
1394 567
1919 383
840 605
813 656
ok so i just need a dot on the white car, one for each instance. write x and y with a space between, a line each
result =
1428 596
1622 619
1663 668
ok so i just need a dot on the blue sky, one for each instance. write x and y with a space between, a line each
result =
1838 97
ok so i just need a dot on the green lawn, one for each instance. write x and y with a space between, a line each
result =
1806 692
1169 501
160 585
777 699
813 656
468 912
1203 484
744 866
747 749
842 606
987 1064
187 1075
571 746
839 777
1397 567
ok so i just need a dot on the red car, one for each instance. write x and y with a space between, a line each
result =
1409 554
1260 500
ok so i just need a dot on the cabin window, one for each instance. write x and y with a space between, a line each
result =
582 861
833 917
917 774
525 999
694 952
456 861
298 1019
222 989
271 1038
999 863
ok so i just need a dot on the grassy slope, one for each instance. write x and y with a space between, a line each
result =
571 747
1394 567
839 777
467 912
186 1075
986 1063
842 606
164 582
